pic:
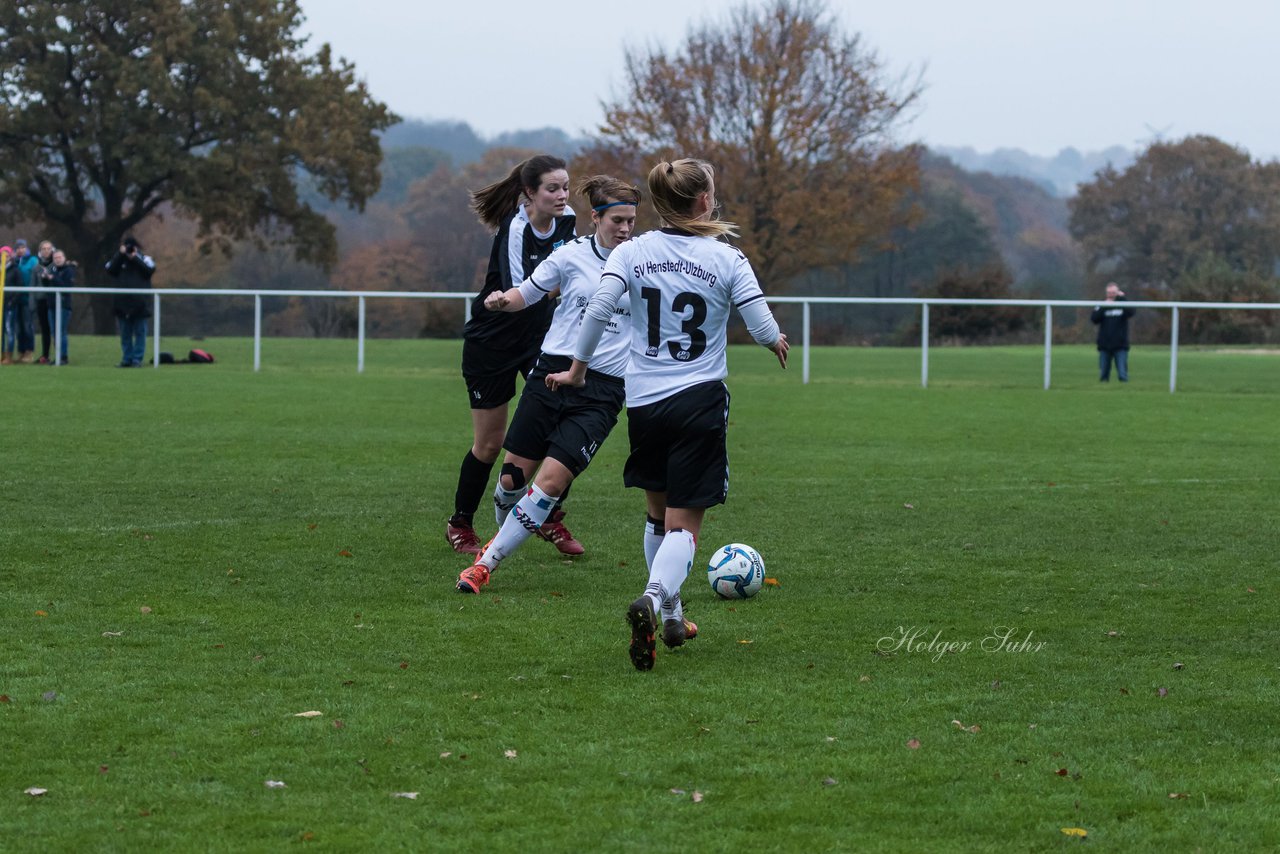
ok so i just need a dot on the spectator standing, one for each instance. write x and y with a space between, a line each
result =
42 277
64 276
131 268
1112 321
17 307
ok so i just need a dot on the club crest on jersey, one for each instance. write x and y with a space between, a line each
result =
651 352
557 245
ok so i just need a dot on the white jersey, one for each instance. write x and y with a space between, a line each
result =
680 287
575 269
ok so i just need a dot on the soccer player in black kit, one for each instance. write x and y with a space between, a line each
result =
529 211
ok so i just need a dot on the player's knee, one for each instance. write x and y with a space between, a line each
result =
512 477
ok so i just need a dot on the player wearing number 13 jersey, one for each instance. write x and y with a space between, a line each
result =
680 283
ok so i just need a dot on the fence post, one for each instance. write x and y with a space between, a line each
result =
360 346
1173 352
155 314
804 357
257 332
1048 342
58 331
924 345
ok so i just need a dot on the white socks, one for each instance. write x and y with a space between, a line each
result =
670 567
653 535
525 518
504 500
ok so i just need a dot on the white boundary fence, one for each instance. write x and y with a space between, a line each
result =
805 302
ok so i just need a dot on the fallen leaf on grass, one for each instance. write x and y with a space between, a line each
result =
510 754
145 609
1062 772
273 784
772 582
677 791
1162 692
102 769
112 634
556 593
312 714
863 678
337 724
49 696
446 754
413 796
746 641
830 781
909 506
830 739
1178 665
973 729
34 791
345 553
42 613
1178 796
4 698
913 743
404 665
312 526
696 797
1075 831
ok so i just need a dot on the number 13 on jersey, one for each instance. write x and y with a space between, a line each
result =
691 313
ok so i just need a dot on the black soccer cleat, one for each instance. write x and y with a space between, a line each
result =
643 628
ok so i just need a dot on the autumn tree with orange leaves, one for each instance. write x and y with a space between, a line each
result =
799 119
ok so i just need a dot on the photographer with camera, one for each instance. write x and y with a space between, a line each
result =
132 269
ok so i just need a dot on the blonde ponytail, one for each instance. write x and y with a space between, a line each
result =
675 187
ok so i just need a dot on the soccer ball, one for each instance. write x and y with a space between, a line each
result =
736 571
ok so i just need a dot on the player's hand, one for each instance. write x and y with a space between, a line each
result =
496 301
780 349
565 378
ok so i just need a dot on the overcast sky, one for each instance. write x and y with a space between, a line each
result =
998 73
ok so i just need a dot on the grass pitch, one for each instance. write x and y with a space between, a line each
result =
1001 614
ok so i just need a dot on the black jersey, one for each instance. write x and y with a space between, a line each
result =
516 253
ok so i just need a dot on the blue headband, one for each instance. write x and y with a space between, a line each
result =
599 208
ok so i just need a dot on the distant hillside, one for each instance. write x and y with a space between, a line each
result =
1027 223
1059 174
464 145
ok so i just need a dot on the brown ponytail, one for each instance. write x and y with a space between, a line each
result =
497 201
603 189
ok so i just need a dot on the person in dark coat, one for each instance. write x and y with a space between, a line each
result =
1112 321
131 268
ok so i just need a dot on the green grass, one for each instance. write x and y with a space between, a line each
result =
1130 531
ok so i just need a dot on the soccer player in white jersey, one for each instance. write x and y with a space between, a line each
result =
679 282
530 214
555 433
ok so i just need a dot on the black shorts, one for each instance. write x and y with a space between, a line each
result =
568 425
678 446
491 374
